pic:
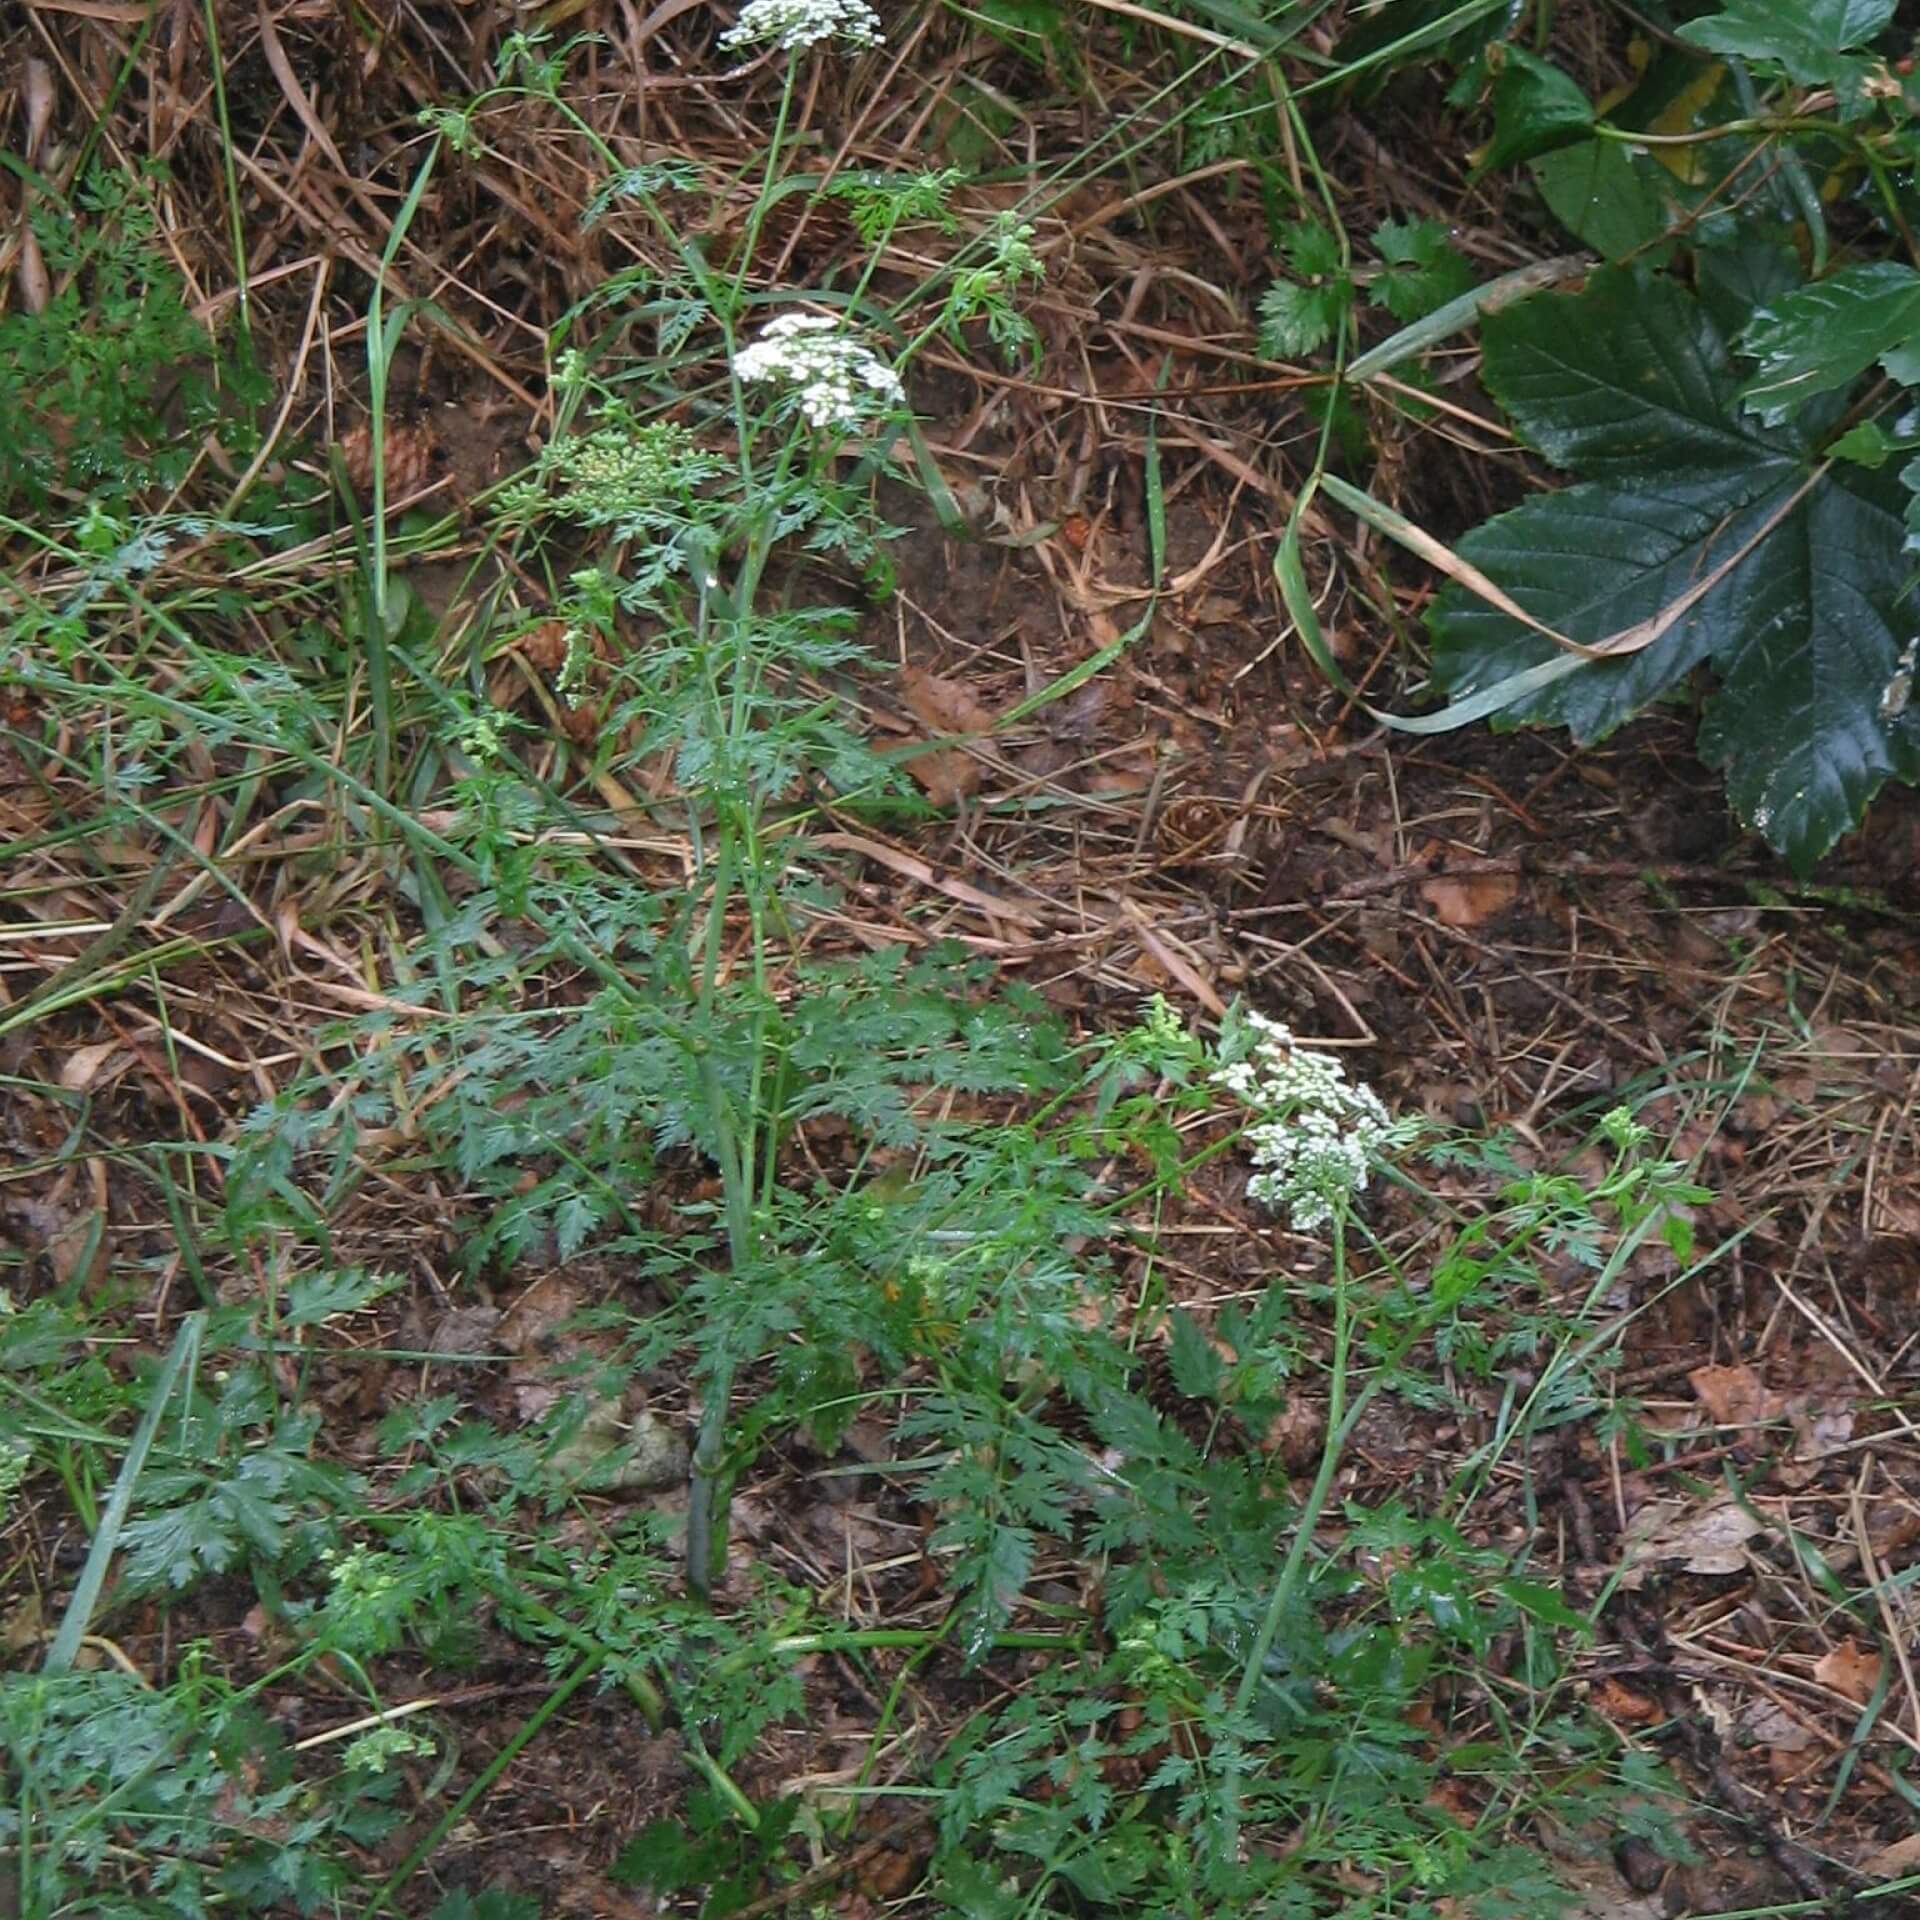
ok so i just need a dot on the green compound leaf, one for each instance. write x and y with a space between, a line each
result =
1811 41
1299 320
1419 271
1632 385
1820 338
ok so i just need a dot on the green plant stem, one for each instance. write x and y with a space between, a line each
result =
720 1780
1339 1424
243 293
764 199
1786 123
644 1694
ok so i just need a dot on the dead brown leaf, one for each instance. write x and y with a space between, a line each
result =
1895 1862
531 1324
945 707
1849 1668
1625 1706
1709 1539
85 1067
1296 1434
1818 1434
891 1874
945 774
1763 1724
1734 1395
31 280
1469 898
547 645
942 705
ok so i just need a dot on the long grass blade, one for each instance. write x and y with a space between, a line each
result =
93 1576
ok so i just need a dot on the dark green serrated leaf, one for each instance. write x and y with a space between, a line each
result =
1421 271
1603 196
1910 481
1751 269
1811 41
668 1856
1535 109
490 1905
1631 382
1003 1578
1821 338
1297 320
1866 445
314 1298
1639 382
1312 250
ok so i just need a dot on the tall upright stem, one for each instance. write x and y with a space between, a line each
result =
1287 1587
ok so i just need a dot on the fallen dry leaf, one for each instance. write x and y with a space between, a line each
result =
945 774
1765 1725
84 1068
532 1324
547 645
1296 1434
1895 1862
1734 1395
1818 1434
36 88
23 1626
1849 1668
1626 1707
31 280
943 706
1710 1539
1466 899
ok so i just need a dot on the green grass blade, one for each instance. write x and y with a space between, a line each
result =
93 1576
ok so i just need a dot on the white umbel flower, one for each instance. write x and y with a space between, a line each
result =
837 380
795 25
1315 1132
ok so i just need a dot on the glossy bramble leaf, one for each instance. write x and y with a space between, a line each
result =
1535 109
1821 338
1604 196
1813 42
1806 614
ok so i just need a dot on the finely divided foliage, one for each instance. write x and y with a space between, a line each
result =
861 1210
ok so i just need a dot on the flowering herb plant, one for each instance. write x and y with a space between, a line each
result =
1314 1132
794 26
837 381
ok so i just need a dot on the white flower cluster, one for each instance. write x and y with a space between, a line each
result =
837 380
1315 1131
795 25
